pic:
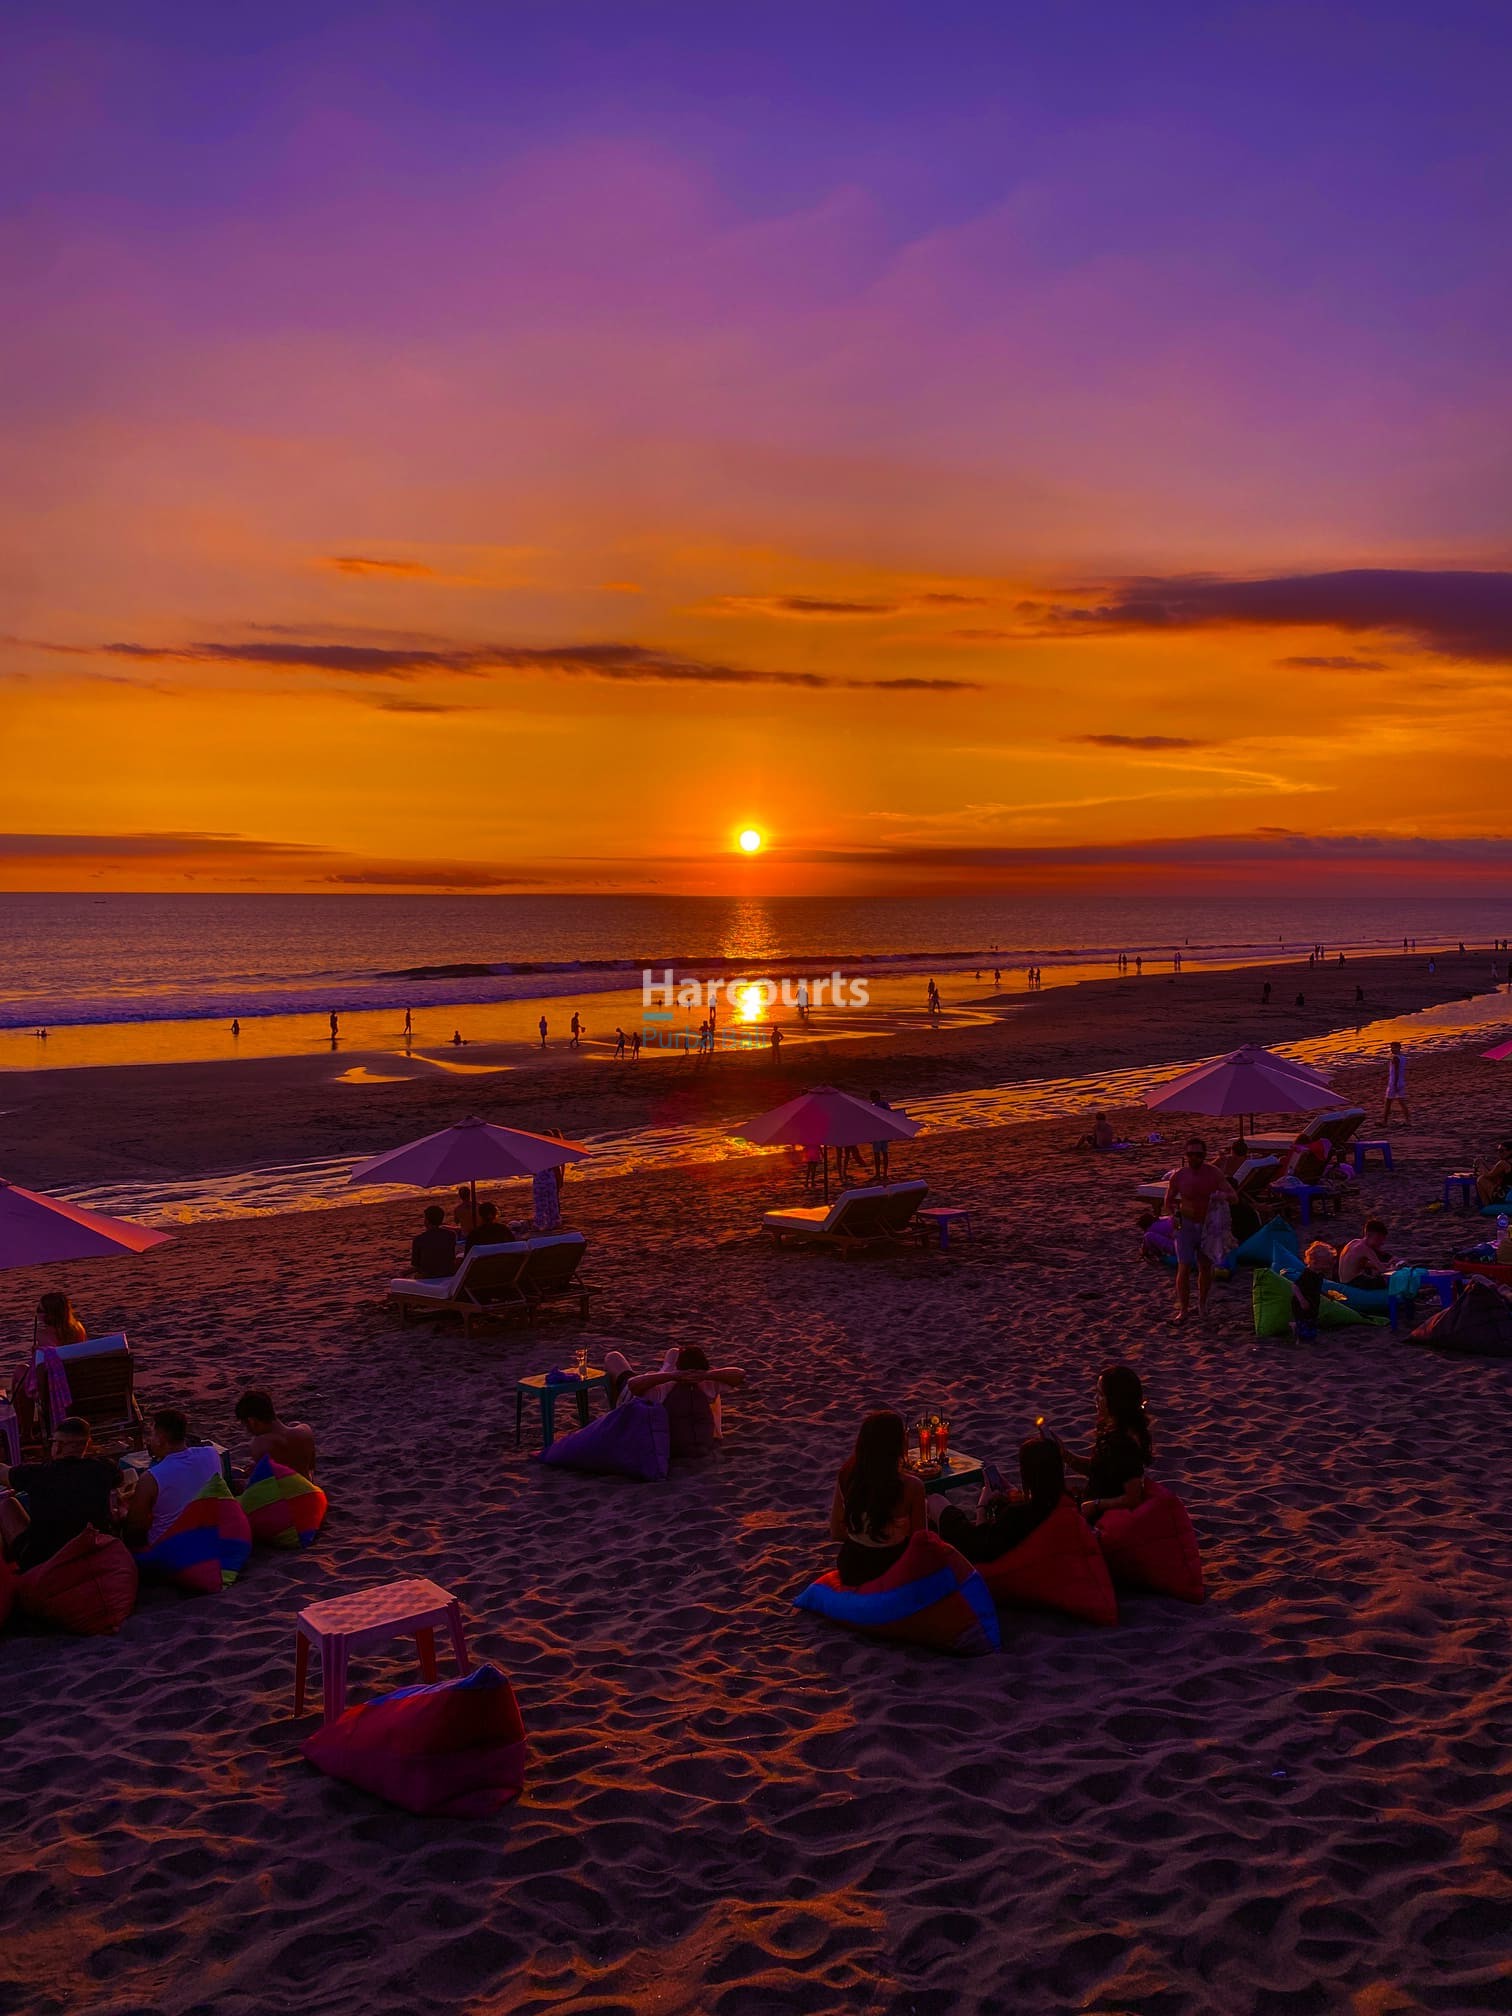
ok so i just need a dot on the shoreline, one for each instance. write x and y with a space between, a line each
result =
144 1124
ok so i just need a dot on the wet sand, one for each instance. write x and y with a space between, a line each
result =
68 1128
1293 1799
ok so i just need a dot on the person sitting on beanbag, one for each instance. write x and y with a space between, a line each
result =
291 1443
1004 1519
177 1477
687 1365
877 1506
1122 1446
64 1496
1318 1264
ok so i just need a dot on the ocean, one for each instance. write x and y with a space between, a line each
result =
70 960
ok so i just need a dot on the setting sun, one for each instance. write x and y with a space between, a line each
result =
750 841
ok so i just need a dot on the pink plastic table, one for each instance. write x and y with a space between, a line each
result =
371 1617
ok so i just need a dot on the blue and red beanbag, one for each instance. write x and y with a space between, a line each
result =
207 1546
931 1596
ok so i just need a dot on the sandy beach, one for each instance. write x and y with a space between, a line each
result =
1292 1799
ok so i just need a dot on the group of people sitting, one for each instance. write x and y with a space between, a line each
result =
45 1505
435 1251
880 1502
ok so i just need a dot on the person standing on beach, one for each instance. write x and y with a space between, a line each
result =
776 1039
335 1025
541 1025
1396 1086
880 1148
1189 1195
1265 995
577 1030
409 1025
619 1042
635 1046
236 1028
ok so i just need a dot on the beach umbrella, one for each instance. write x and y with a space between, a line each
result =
472 1152
1249 1080
39 1231
826 1118
1499 1052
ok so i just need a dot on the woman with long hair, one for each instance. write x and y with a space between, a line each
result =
1006 1518
56 1322
1122 1445
877 1505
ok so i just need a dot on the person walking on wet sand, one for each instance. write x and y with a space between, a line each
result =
619 1042
409 1025
335 1025
635 1041
1396 1086
541 1025
577 1030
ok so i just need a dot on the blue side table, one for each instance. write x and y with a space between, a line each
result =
1462 1180
1364 1148
548 1392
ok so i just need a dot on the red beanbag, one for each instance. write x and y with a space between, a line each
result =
1059 1567
88 1587
456 1747
1153 1547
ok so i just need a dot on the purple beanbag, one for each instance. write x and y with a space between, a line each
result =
632 1440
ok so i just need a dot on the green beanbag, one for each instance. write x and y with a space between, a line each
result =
1271 1302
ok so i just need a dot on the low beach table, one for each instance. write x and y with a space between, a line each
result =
412 1609
942 1217
961 1467
1364 1149
548 1393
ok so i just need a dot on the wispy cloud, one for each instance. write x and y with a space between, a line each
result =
633 663
146 846
1343 662
1144 741
827 609
363 563
1455 613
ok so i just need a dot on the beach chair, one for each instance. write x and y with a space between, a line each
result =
550 1274
900 1216
102 1388
857 1218
1338 1126
1251 1179
485 1280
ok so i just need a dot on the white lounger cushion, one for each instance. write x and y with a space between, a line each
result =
444 1290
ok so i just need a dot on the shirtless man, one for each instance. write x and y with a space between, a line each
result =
291 1443
1190 1191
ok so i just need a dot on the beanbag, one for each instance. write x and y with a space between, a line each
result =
1336 1312
7 1590
1477 1324
1261 1248
931 1596
207 1546
1159 1243
690 1422
632 1440
1271 1303
283 1508
456 1747
88 1587
1059 1567
1153 1547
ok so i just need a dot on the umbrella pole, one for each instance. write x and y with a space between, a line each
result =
824 1156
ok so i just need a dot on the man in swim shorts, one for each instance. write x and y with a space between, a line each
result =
1189 1193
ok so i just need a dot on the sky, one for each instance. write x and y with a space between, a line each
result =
519 446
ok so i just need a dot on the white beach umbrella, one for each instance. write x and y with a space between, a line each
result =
38 1231
826 1118
472 1152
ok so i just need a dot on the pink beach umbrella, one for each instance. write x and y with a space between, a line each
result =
826 1118
472 1152
1499 1052
1249 1080
40 1231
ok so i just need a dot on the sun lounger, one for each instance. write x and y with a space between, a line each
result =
549 1274
486 1277
102 1389
1338 1127
865 1217
1251 1179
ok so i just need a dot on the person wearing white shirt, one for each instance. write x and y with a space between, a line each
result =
1396 1086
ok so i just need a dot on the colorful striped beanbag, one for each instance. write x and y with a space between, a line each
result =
283 1508
207 1546
932 1596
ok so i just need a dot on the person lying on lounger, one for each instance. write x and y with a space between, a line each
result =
291 1443
1122 1446
1004 1519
